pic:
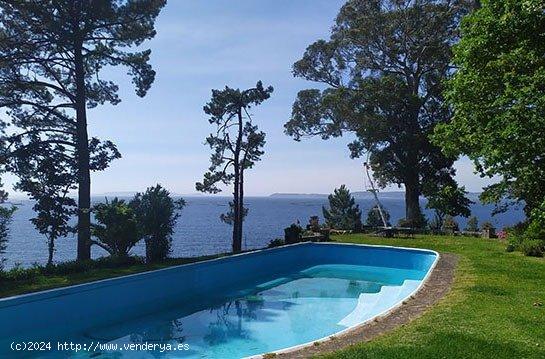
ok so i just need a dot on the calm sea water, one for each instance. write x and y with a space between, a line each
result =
200 231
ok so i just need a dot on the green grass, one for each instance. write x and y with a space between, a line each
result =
492 310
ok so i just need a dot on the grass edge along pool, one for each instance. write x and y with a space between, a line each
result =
63 313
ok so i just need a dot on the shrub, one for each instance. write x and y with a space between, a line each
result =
374 219
157 212
292 234
450 225
117 230
533 247
314 224
277 242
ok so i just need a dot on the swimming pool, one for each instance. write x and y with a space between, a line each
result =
230 307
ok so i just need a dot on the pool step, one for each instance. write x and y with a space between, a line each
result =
372 304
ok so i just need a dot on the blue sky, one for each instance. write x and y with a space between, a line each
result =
201 45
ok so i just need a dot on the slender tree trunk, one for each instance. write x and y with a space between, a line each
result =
236 247
237 243
51 248
241 206
82 150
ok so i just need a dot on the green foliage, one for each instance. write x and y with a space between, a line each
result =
53 54
47 177
343 212
383 67
472 224
374 219
117 229
450 224
498 99
532 247
277 242
449 200
237 144
6 214
156 213
293 233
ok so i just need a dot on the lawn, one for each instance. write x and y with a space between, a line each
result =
496 308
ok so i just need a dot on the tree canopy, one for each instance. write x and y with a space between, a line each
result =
498 98
383 68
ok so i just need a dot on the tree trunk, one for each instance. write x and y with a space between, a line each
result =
236 245
51 248
241 206
237 218
412 203
82 150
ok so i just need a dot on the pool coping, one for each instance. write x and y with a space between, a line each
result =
382 314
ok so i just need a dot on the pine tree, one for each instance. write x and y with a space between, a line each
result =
343 212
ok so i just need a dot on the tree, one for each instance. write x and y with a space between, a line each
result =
6 214
374 219
472 224
449 201
156 213
117 229
343 212
236 146
498 99
383 67
52 54
47 177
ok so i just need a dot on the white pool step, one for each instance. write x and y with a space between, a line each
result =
371 304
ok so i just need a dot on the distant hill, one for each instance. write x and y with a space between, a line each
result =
474 196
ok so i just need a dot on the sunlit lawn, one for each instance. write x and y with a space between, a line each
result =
496 308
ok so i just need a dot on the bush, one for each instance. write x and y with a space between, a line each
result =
374 219
157 212
293 233
277 242
533 247
450 225
117 230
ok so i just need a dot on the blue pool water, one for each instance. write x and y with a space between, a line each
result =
281 298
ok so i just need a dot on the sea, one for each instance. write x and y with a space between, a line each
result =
199 230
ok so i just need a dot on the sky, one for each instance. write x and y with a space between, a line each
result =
204 45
